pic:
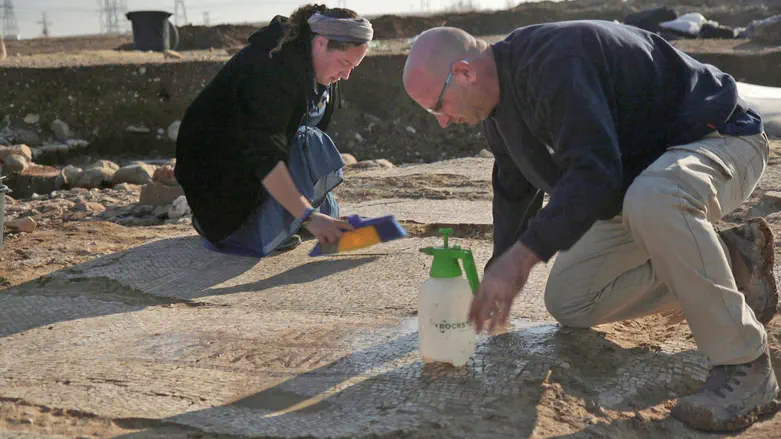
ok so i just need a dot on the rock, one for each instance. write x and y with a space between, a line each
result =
411 130
150 221
32 118
77 143
71 174
384 164
168 53
767 30
22 150
134 174
66 204
95 178
182 220
774 196
53 212
103 164
173 130
358 137
137 129
118 212
61 129
158 194
142 71
49 151
34 179
60 182
366 164
24 225
769 203
27 137
14 164
349 159
179 208
142 210
486 154
165 175
89 206
372 118
160 211
127 187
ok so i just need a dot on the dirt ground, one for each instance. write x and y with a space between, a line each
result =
559 406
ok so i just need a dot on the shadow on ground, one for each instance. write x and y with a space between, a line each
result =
386 391
169 271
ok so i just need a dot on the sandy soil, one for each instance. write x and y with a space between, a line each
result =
558 408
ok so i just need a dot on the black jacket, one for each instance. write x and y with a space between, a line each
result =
239 127
585 107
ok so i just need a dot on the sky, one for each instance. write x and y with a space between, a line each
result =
80 17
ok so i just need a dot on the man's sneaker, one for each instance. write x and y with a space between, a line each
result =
751 252
733 397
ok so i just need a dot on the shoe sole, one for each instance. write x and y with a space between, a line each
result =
760 289
292 243
707 423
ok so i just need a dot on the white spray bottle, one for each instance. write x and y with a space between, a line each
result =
443 306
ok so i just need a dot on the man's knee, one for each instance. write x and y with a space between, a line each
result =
560 304
646 198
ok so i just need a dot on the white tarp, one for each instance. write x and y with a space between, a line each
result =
689 24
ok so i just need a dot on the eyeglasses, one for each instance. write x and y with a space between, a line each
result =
438 106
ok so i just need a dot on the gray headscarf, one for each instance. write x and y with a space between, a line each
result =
350 30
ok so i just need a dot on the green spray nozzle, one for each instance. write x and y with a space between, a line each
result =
446 259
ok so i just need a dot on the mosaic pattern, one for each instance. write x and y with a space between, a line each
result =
274 349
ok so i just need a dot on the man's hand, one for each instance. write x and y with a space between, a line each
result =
501 283
327 230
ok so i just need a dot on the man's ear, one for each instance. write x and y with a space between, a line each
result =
465 69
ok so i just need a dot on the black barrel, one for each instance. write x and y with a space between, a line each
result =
153 31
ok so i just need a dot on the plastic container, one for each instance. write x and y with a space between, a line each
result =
443 306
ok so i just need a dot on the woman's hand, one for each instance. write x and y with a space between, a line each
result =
327 230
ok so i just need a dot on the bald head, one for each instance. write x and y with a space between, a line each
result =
431 56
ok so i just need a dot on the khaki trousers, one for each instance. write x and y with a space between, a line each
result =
662 253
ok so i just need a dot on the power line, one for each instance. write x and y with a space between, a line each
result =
45 25
10 27
180 15
110 12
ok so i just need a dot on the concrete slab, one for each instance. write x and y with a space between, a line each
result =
474 168
293 346
425 210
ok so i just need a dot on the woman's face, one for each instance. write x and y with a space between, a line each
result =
333 65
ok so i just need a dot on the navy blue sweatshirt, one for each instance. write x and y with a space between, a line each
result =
585 106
